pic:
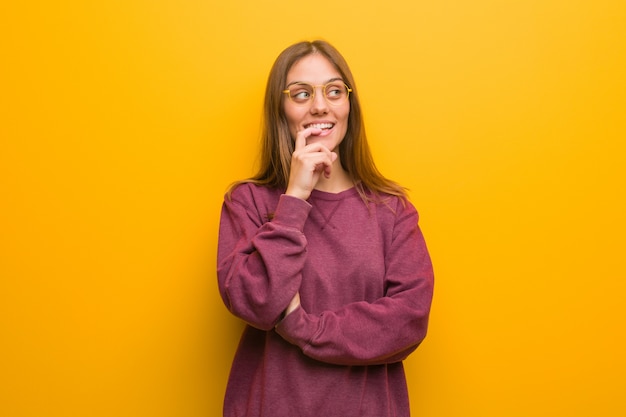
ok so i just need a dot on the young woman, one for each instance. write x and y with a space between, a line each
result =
321 256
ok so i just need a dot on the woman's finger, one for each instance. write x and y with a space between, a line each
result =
302 135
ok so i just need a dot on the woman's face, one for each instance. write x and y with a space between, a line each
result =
316 70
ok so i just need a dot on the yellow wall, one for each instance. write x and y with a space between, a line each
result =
122 123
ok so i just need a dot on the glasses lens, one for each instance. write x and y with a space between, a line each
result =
301 92
336 93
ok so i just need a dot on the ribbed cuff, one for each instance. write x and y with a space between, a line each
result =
298 328
292 212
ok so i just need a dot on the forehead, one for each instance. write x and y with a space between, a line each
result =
314 68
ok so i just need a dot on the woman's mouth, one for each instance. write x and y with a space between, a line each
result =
323 126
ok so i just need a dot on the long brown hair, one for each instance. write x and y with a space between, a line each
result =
278 145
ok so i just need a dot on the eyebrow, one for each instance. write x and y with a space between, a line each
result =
306 82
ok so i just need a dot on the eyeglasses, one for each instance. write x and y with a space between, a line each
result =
335 92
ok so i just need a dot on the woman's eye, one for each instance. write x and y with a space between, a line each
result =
335 91
301 95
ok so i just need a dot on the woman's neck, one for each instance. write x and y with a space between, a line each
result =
338 181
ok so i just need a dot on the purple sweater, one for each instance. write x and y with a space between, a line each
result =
365 280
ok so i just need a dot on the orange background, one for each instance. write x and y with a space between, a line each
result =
123 122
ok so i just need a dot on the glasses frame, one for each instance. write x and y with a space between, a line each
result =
314 89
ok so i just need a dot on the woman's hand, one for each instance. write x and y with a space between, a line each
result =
293 304
307 164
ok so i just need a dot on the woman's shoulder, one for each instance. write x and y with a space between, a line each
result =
386 198
391 205
248 191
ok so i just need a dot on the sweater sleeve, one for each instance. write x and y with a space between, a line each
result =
260 262
386 330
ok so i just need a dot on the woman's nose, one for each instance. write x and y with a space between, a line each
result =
319 105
